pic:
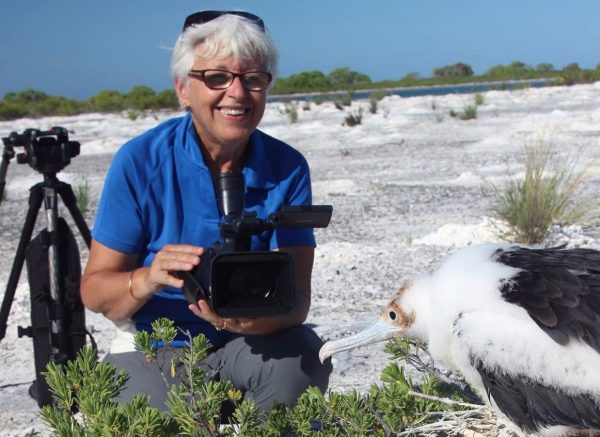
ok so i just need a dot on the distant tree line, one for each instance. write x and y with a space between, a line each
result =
308 81
461 72
32 103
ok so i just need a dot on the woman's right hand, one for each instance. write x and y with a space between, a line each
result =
113 286
170 259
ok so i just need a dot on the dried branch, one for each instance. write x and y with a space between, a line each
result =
428 366
476 420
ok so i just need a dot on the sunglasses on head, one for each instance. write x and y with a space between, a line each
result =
206 16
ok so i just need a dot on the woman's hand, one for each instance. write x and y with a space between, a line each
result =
171 259
111 283
259 325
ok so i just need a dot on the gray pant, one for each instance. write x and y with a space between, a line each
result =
267 368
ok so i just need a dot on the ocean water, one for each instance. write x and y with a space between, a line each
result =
437 90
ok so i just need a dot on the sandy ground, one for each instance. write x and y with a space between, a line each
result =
405 187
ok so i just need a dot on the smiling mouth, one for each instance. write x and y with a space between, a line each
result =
234 111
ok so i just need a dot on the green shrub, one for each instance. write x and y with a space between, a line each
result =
459 69
33 103
193 405
469 113
343 77
12 111
373 104
515 70
347 98
544 195
319 99
108 101
410 79
140 98
478 99
374 98
132 115
167 99
305 81
82 193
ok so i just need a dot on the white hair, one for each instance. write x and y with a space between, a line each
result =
227 35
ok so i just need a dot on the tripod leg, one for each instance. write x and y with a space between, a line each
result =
7 155
36 196
70 201
56 291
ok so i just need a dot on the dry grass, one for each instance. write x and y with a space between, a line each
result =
544 194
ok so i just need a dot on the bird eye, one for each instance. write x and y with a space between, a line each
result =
392 315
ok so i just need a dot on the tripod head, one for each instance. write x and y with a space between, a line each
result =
47 152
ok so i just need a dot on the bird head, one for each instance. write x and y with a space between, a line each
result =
394 321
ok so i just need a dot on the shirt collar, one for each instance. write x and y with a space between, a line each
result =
258 170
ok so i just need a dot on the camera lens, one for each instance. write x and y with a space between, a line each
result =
253 281
252 284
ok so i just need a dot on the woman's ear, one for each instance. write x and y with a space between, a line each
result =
181 88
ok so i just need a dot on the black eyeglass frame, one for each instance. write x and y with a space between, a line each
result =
199 74
206 16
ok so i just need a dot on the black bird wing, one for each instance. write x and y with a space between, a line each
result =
532 405
559 288
519 369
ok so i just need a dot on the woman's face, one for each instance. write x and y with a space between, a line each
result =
223 118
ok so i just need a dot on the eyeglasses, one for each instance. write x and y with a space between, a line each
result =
206 16
222 79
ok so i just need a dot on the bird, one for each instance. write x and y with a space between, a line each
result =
520 324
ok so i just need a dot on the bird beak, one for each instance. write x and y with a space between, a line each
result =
378 332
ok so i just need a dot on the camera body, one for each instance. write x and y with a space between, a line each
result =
238 282
48 152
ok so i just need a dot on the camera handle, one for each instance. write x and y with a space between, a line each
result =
46 192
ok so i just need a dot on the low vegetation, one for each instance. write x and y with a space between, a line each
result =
82 194
290 109
396 407
543 194
469 112
354 117
33 103
374 99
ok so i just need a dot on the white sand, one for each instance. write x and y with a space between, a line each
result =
405 187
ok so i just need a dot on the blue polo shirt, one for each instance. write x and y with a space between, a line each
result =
159 191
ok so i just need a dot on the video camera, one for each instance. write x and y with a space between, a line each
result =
45 151
236 281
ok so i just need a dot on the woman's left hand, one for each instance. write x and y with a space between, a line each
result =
237 325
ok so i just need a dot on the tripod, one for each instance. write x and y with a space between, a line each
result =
54 270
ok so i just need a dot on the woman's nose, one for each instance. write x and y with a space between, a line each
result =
236 88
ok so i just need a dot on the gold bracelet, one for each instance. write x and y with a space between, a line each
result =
130 285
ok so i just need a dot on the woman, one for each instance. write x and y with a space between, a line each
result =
158 212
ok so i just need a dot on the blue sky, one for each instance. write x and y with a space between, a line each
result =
77 48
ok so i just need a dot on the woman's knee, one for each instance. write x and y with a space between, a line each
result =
280 367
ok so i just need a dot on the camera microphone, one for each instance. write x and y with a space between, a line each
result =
230 193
